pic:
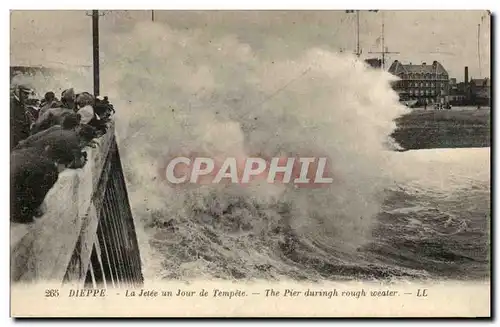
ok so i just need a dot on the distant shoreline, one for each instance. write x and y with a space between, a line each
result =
461 127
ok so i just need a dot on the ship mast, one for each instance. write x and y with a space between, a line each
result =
358 48
382 40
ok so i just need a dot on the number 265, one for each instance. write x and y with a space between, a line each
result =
51 293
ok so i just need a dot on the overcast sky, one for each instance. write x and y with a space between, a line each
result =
451 37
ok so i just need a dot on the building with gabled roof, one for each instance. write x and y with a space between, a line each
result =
425 83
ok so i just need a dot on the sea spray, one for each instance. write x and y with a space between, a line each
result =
179 91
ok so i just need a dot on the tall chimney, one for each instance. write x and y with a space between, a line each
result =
466 75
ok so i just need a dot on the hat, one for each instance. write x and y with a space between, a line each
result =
49 96
25 89
87 113
22 89
68 94
85 99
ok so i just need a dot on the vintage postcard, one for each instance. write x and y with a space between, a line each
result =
305 163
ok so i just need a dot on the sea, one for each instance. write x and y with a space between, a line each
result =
433 227
422 214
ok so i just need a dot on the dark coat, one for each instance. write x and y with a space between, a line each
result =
32 175
19 122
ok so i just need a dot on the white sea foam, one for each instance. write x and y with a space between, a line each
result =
184 92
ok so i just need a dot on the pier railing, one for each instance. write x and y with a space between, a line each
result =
87 236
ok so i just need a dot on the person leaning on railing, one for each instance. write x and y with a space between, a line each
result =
85 107
94 112
49 101
68 99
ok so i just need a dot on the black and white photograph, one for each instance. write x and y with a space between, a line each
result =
255 149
